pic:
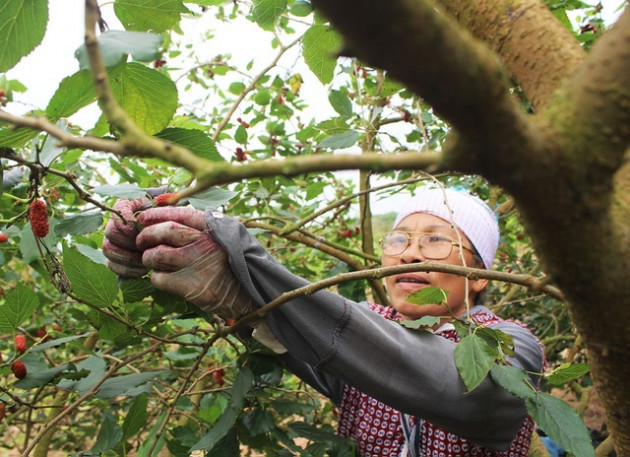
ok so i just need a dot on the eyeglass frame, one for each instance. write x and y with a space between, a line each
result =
419 235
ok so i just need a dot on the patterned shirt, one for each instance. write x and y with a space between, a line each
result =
377 428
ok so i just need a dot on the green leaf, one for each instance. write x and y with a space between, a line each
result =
10 138
95 366
340 141
240 136
57 342
144 15
241 386
423 322
567 372
474 357
20 303
259 421
341 103
513 379
266 12
136 417
147 444
109 435
22 28
320 46
146 95
236 88
218 431
79 224
90 281
262 97
95 255
301 8
126 384
115 45
197 142
428 296
497 338
128 191
211 198
74 92
39 378
561 423
135 290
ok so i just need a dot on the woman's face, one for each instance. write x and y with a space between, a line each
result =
399 287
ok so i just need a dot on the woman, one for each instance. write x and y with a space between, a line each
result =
398 390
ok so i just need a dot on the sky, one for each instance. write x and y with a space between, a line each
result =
43 69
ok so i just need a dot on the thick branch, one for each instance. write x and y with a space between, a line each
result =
538 51
429 53
222 173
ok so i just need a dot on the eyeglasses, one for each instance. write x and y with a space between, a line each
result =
433 246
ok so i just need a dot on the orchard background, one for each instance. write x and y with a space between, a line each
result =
511 100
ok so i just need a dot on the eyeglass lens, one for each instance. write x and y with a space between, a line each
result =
432 245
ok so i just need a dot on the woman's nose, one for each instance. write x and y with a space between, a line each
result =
412 253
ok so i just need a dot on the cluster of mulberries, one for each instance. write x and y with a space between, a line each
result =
38 215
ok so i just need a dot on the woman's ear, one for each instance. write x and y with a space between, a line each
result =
478 285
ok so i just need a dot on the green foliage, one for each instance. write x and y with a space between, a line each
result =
59 293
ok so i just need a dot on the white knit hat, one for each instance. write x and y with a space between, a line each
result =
470 215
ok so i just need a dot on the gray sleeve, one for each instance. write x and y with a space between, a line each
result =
414 372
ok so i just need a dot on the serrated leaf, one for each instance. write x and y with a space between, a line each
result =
423 322
95 255
74 92
266 12
428 296
211 198
473 358
145 15
109 434
259 421
561 423
115 45
340 141
341 103
90 281
567 372
513 379
128 191
148 97
136 417
197 142
79 224
19 305
320 46
22 28
496 337
135 290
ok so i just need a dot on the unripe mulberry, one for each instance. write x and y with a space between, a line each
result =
37 214
20 343
19 369
166 199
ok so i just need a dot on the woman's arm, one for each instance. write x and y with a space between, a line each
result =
411 371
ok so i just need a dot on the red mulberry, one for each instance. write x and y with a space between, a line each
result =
19 369
37 214
20 343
